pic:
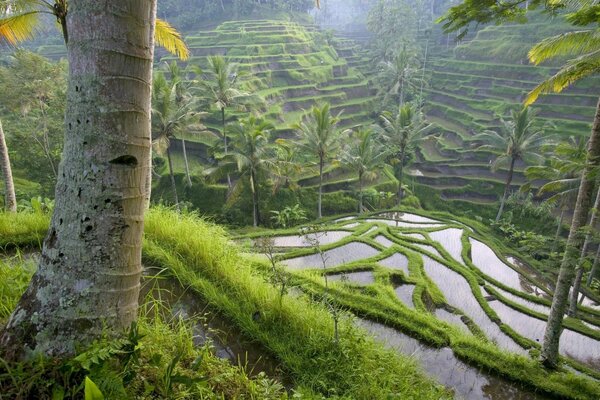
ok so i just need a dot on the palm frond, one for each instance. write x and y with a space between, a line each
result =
567 44
19 28
168 37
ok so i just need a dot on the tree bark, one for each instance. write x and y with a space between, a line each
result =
559 228
88 277
255 209
10 199
579 271
172 177
321 164
506 188
401 176
187 166
549 354
594 271
360 193
225 143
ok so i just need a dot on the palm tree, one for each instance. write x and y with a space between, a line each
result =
364 155
22 18
518 140
222 88
399 75
562 174
96 229
250 155
171 115
287 167
9 187
319 137
403 130
583 45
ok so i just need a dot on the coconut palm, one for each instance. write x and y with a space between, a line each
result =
584 48
287 167
517 140
171 116
403 130
22 18
365 155
562 173
222 88
249 156
320 138
398 76
96 229
9 188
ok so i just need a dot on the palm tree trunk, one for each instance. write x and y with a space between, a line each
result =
506 188
172 176
594 271
9 188
360 192
559 228
225 144
88 277
148 182
579 271
255 209
401 177
321 165
187 166
567 269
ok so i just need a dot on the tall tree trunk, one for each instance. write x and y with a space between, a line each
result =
559 228
148 181
225 145
88 277
360 193
586 244
321 165
594 271
172 176
10 200
187 166
567 269
255 209
506 188
401 177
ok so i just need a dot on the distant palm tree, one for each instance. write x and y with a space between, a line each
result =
20 19
562 173
222 88
365 155
320 138
287 167
398 76
403 130
250 156
518 139
171 117
10 199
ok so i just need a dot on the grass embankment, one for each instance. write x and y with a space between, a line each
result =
378 302
297 332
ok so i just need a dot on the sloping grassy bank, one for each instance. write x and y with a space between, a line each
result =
298 333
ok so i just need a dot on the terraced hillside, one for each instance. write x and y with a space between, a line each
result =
290 66
473 84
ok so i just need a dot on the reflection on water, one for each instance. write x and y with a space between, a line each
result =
405 294
407 217
467 382
360 278
382 240
402 224
458 294
572 344
450 239
487 261
451 318
323 238
428 248
396 261
227 339
334 257
525 303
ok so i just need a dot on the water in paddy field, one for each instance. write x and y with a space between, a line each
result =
334 257
428 248
174 301
466 381
385 242
405 294
396 261
324 238
451 318
402 224
450 239
359 278
407 217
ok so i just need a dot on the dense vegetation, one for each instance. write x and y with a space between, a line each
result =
259 118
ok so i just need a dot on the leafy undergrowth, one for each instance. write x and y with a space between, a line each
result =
157 358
